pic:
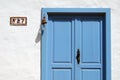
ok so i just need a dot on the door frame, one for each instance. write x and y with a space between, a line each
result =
105 11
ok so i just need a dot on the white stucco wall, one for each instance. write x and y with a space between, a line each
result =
20 45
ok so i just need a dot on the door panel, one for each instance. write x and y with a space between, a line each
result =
91 74
91 40
62 74
62 40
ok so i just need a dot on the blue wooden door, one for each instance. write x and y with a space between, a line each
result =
88 40
60 48
74 48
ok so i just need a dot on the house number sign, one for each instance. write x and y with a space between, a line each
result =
18 21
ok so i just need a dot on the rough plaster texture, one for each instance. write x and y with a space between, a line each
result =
20 46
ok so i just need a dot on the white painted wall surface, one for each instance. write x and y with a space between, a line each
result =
20 45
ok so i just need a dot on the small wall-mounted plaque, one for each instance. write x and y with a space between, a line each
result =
18 21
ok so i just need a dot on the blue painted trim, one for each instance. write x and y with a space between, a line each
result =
106 11
108 45
43 48
76 10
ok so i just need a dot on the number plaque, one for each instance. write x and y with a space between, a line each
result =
18 21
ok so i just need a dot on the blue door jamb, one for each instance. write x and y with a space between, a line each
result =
106 11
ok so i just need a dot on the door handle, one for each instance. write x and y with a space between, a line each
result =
78 56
